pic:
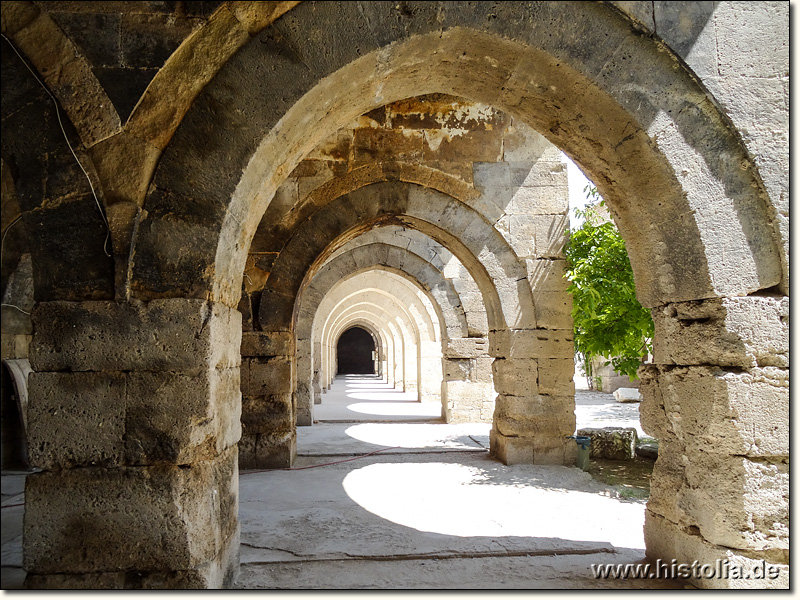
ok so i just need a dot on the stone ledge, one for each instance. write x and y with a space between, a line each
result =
613 443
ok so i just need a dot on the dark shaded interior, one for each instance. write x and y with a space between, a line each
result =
354 352
14 443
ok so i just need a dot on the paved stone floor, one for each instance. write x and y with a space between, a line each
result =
384 495
12 485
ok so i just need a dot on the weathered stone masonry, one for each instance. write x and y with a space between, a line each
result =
137 412
195 121
499 173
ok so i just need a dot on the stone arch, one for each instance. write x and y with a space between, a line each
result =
27 25
403 263
282 224
653 127
382 342
371 298
66 232
394 332
361 359
492 263
501 278
446 302
369 283
416 242
425 328
392 316
194 64
404 336
656 132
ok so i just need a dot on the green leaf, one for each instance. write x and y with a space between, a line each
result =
608 319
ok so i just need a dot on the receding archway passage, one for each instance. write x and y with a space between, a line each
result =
142 407
355 352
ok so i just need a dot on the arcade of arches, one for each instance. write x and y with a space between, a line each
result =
280 187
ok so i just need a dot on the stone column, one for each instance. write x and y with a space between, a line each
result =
316 381
467 385
431 372
390 362
717 398
410 363
530 425
269 435
399 363
304 392
134 419
329 367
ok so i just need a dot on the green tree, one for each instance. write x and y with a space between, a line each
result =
608 319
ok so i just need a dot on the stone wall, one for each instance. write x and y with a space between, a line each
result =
155 485
187 119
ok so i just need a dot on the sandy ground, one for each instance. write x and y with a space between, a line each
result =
409 502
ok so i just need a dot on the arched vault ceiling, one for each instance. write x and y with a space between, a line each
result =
440 291
658 149
481 249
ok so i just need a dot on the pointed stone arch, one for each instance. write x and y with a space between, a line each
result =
681 183
606 128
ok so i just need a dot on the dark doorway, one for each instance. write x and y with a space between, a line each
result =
354 352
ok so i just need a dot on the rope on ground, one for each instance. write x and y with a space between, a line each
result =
477 442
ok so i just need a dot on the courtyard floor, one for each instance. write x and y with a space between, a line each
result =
384 495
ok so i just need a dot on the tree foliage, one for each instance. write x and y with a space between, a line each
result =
608 319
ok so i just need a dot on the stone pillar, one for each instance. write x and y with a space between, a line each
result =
330 366
304 392
390 362
269 435
316 381
431 372
399 364
410 370
469 395
134 418
384 368
531 426
717 398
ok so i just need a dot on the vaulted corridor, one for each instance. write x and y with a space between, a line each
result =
201 199
383 496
